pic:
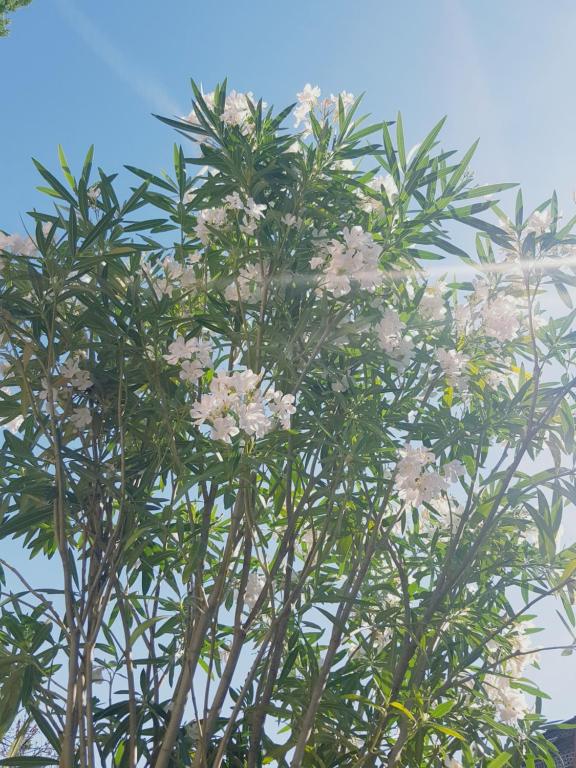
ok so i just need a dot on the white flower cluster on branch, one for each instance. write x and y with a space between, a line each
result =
214 219
236 112
237 403
416 482
352 259
193 355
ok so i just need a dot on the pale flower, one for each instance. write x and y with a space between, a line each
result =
14 424
224 428
254 587
307 100
539 222
453 470
180 349
347 101
254 210
191 371
246 287
77 377
501 318
253 420
81 418
432 305
209 218
453 365
24 246
234 201
378 185
290 220
282 406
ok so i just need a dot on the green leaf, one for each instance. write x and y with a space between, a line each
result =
502 759
397 705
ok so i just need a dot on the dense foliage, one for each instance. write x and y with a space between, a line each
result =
6 7
304 491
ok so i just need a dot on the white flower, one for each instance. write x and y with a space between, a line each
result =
236 403
282 406
234 201
254 210
254 586
510 703
209 99
414 460
237 110
347 101
211 217
191 371
378 184
246 287
77 377
290 220
432 302
500 318
24 246
416 483
345 165
354 260
307 100
180 349
249 227
453 470
224 428
309 95
453 365
390 329
253 420
81 418
539 222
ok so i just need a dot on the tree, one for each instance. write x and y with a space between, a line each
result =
287 470
6 7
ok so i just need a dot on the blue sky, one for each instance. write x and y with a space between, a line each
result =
76 73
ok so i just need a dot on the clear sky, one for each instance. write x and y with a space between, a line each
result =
77 72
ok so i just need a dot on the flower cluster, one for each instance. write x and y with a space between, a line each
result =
392 338
353 259
254 586
453 365
510 703
24 246
246 286
236 402
176 275
309 99
217 218
432 305
501 318
496 316
236 110
73 379
193 355
372 203
417 483
76 376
